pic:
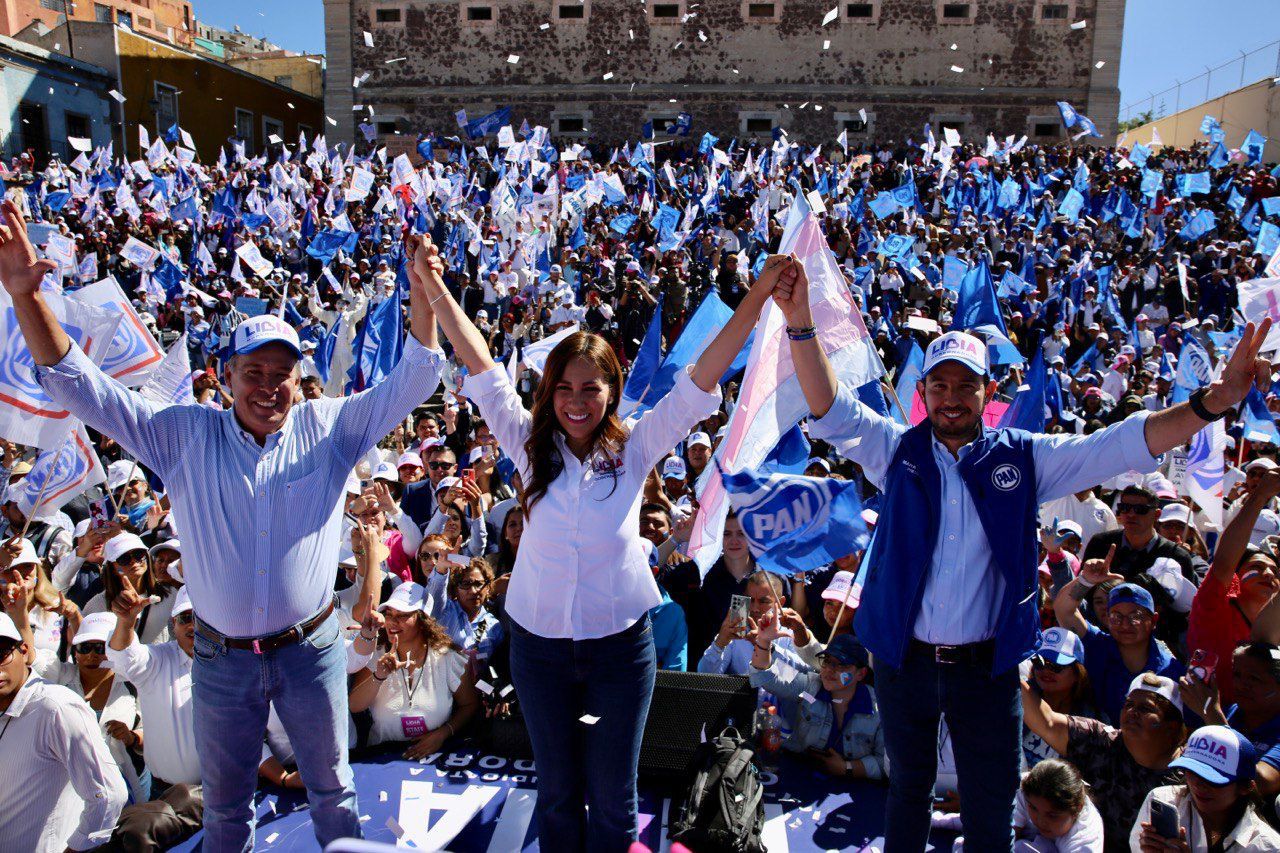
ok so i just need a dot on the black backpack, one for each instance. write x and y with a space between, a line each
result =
722 811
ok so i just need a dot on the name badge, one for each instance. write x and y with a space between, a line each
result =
413 727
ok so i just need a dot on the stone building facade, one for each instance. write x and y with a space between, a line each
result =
598 69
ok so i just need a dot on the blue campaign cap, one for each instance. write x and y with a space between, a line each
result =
262 330
1131 593
847 650
1060 646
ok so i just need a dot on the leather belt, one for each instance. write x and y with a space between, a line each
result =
981 654
270 643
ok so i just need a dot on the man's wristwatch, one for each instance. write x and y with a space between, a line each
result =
1196 401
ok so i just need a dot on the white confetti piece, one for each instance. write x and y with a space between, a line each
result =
702 36
805 104
289 104
368 39
817 815
817 108
506 690
1079 25
862 116
1099 63
955 46
512 58
327 118
414 771
544 26
735 71
119 97
271 839
397 59
364 818
957 69
608 76
826 44
382 796
831 16
808 697
484 687
632 34
589 719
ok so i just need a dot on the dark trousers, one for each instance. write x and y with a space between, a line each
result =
581 765
984 717
159 824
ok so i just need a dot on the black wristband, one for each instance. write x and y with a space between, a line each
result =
1196 401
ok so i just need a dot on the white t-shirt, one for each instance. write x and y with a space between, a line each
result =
428 695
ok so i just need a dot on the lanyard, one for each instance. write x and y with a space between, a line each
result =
411 687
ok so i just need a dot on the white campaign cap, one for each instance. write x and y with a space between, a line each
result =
1178 512
1219 755
409 458
957 346
1159 685
121 472
26 556
181 602
407 598
119 545
166 545
8 630
673 469
259 331
1268 524
386 471
842 588
95 628
1066 525
699 438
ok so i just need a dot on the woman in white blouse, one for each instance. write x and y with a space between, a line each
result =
419 690
582 653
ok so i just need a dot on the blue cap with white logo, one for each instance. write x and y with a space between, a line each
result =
960 347
262 330
1060 646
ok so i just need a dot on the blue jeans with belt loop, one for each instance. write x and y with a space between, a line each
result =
232 691
984 717
581 765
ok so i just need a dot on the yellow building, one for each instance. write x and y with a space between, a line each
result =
1252 107
300 72
163 84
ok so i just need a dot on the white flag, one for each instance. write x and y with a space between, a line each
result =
70 469
535 354
1260 299
1205 469
133 352
170 382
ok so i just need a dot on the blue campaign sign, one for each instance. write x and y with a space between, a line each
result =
469 802
251 307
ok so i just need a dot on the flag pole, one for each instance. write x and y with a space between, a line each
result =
53 466
843 603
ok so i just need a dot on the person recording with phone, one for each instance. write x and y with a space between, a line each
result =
1216 806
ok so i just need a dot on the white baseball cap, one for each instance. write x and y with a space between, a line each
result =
1159 685
122 472
957 346
166 545
26 556
95 628
407 598
119 545
674 469
1268 524
181 602
1219 755
1060 646
1263 463
699 438
843 588
447 482
1178 512
409 458
8 630
386 471
1066 525
820 462
259 331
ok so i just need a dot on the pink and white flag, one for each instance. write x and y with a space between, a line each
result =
771 401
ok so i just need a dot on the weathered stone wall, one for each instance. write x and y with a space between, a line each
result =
896 66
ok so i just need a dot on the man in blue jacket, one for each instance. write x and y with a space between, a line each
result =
948 606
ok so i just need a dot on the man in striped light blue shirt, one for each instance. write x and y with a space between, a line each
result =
256 492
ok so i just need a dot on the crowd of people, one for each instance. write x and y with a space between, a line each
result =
348 540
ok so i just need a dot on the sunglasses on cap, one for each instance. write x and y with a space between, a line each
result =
92 647
1136 509
441 465
1039 662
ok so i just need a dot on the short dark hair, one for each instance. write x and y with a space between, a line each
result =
1138 492
656 507
1058 782
311 380
442 448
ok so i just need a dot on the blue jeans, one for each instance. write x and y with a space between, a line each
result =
580 765
232 690
984 717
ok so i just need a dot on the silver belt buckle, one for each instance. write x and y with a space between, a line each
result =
940 654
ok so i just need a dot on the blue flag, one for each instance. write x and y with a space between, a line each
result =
794 523
977 310
325 350
908 375
645 365
790 455
1194 370
1027 410
487 124
710 317
1259 423
1198 226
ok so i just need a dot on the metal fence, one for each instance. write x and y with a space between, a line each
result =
1248 67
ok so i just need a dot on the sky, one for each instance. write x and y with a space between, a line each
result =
1164 41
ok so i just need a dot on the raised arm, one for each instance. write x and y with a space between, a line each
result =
1052 727
726 345
817 379
1175 425
1235 538
21 273
1067 605
425 273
